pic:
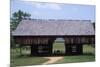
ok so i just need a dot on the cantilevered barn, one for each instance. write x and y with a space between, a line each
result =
41 34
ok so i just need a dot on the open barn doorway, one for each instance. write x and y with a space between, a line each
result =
59 46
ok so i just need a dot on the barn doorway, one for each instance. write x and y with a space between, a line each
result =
59 46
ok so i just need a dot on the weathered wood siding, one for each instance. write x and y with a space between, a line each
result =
80 40
74 44
47 40
39 45
33 40
44 45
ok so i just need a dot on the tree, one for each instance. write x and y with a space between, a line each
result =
17 17
15 20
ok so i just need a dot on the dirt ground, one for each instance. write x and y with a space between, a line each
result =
52 60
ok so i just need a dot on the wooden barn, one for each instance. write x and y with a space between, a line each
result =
41 34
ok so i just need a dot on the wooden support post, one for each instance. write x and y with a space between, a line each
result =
32 50
80 49
21 50
68 49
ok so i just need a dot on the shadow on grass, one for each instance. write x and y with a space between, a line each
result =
53 55
88 54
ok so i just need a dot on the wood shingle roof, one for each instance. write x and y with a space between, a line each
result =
54 27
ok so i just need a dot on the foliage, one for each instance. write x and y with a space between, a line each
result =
14 21
17 17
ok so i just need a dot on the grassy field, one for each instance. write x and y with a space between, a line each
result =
88 56
18 60
25 60
76 59
59 46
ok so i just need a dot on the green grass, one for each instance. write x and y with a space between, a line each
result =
75 59
59 46
24 61
17 60
88 49
88 56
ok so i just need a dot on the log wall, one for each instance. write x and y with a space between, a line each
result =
33 40
44 45
80 40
